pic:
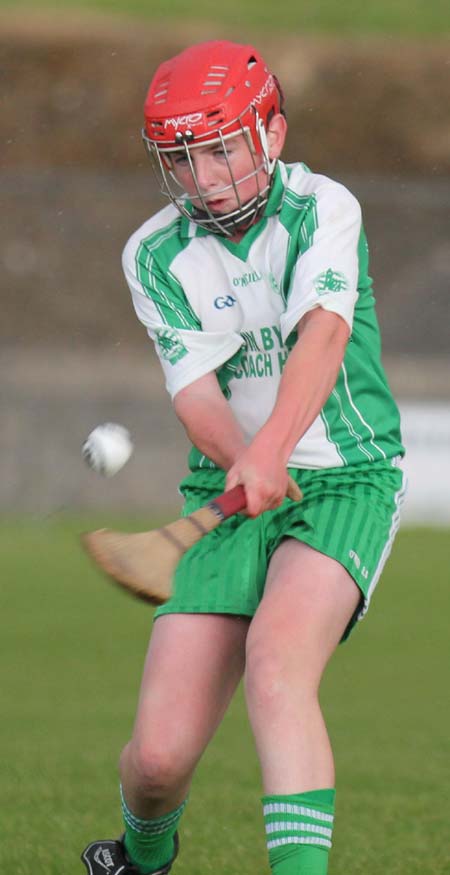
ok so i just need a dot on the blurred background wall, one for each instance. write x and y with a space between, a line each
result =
372 111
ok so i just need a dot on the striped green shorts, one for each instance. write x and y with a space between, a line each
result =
351 514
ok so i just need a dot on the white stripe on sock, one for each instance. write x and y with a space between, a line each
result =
288 808
298 826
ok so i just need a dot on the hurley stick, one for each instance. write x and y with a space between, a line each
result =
144 562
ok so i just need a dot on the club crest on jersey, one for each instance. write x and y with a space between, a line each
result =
170 344
330 281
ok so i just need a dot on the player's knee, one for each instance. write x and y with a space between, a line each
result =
153 766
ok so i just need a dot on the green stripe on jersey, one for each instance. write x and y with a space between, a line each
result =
154 258
363 426
299 217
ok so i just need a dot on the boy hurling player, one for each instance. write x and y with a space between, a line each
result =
253 284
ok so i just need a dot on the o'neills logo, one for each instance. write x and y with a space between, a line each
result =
267 89
194 118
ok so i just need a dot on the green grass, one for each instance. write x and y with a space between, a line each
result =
72 651
389 17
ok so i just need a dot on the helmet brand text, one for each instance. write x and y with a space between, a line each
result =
194 118
267 89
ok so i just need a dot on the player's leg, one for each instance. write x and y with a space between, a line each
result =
308 602
193 666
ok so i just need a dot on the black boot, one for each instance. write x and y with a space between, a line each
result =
110 858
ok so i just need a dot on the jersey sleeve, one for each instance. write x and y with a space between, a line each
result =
185 351
326 272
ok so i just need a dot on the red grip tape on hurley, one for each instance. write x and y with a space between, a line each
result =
231 502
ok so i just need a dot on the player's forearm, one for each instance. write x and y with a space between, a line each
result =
308 378
211 426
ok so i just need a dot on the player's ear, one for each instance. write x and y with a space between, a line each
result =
276 135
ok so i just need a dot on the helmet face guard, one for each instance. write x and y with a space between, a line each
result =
217 90
195 207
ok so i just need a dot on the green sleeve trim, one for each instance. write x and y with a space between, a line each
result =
299 217
154 258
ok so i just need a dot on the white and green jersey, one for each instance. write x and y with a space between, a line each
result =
213 305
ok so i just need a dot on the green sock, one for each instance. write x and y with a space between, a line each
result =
149 843
298 830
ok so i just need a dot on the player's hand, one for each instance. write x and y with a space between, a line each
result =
264 479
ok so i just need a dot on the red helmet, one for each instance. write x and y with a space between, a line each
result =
211 92
209 86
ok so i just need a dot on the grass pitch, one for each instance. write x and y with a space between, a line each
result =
411 18
72 652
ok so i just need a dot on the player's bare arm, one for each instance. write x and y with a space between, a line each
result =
308 378
209 421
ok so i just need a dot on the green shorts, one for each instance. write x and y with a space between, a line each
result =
351 514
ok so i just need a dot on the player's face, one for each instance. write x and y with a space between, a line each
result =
216 167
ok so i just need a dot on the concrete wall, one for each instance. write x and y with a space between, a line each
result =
50 402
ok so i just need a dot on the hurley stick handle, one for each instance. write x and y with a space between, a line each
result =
229 503
234 500
293 490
